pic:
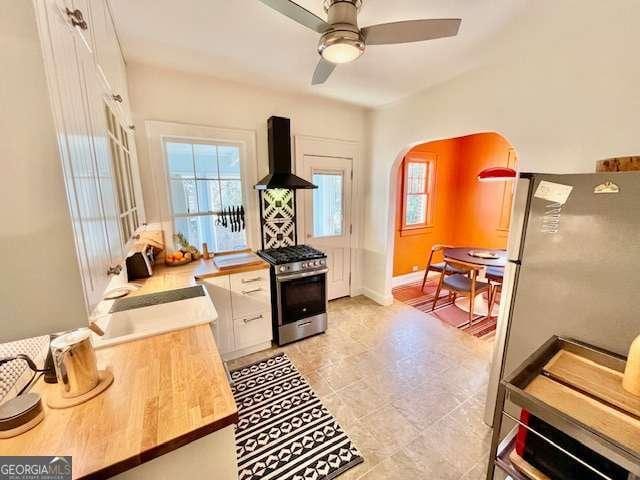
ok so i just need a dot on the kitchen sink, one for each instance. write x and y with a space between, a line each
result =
129 325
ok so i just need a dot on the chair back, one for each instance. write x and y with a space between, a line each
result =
471 267
437 248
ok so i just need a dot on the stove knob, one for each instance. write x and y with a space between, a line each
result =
283 268
316 263
303 265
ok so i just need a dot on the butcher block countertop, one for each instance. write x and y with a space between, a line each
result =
168 390
169 278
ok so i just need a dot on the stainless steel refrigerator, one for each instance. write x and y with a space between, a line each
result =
574 267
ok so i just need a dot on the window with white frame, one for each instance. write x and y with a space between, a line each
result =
205 179
418 186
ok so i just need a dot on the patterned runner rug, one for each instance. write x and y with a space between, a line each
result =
445 310
284 432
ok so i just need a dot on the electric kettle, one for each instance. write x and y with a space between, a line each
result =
75 362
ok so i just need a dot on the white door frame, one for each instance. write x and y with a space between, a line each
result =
330 147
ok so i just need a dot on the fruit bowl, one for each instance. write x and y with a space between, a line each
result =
177 258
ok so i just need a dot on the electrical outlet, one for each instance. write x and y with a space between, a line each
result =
415 268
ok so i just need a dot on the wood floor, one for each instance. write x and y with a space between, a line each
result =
408 390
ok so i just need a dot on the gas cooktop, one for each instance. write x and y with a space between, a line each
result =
296 253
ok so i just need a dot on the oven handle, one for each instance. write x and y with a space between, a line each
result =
293 276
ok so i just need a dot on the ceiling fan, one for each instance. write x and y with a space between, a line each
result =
342 41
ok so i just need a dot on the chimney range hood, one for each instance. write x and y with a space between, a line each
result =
280 176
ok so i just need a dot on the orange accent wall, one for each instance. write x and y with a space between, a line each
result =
466 212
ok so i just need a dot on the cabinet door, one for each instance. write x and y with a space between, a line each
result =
66 75
104 163
79 12
253 330
218 289
109 59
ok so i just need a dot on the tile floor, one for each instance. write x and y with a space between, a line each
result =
408 390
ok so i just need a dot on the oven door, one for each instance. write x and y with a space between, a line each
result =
301 295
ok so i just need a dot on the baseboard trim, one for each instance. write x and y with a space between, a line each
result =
411 277
377 297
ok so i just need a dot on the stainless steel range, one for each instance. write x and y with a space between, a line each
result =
298 290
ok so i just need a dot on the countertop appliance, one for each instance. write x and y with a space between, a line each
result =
573 268
75 362
298 291
140 262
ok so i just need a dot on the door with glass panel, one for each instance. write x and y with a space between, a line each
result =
328 218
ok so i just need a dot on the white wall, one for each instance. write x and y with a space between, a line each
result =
562 84
168 95
40 288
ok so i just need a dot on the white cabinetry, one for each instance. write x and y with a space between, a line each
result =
75 34
218 288
109 61
243 302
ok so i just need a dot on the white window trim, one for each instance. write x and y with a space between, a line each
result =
158 131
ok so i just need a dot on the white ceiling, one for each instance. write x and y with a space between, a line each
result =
246 41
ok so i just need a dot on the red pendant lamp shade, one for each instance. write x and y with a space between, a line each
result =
497 174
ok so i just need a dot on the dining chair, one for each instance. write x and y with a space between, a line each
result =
440 267
466 283
495 275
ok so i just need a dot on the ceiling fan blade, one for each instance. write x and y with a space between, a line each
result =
411 31
299 14
322 72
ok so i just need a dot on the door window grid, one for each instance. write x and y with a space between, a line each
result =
205 179
328 207
119 142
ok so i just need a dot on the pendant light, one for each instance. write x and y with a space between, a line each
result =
497 174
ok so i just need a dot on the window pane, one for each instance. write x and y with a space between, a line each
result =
208 196
416 209
229 161
227 240
180 159
190 228
416 175
327 204
206 161
183 196
205 178
231 193
115 151
130 192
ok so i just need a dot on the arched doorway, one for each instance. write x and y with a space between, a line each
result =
437 199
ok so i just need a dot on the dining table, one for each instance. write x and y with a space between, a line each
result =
482 257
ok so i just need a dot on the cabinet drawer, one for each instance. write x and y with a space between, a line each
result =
249 280
253 330
250 293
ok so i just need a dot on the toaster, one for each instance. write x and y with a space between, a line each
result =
140 262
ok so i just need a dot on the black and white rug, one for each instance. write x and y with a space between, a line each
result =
284 432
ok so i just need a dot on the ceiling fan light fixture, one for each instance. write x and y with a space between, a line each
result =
341 47
341 53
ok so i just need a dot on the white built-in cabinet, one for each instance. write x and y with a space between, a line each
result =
86 75
243 303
